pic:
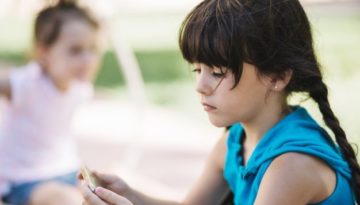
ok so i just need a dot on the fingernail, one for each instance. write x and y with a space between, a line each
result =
99 190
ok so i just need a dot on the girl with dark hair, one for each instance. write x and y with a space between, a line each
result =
249 56
38 156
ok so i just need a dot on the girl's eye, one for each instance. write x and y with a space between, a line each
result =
75 50
218 75
196 70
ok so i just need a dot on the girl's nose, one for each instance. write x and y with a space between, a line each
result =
88 57
203 86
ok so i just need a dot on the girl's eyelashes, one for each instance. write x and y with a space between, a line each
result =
75 50
196 70
218 75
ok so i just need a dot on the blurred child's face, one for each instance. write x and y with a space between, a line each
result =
225 105
74 55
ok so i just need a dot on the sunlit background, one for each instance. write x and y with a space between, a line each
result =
154 133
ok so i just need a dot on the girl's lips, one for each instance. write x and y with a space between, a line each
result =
208 107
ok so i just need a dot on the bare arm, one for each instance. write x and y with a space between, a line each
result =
296 179
5 86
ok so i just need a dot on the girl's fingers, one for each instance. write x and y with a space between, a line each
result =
111 197
89 197
105 178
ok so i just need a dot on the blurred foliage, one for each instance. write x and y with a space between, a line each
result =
154 39
156 66
336 35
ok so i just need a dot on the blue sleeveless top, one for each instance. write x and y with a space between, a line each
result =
297 132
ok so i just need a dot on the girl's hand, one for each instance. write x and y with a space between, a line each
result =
111 182
101 196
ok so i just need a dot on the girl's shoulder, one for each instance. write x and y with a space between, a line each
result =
25 75
22 82
299 177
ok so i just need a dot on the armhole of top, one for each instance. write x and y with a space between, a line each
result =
329 198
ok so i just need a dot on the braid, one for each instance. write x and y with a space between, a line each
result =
319 93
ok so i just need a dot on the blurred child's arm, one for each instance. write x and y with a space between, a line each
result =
5 89
211 187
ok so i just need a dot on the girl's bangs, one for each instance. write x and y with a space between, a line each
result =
203 39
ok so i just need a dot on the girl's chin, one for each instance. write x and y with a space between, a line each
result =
82 79
220 123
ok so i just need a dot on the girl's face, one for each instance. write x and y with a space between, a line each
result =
225 105
75 54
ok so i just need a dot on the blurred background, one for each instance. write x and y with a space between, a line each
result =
158 140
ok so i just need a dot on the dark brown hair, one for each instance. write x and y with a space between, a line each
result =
273 35
50 20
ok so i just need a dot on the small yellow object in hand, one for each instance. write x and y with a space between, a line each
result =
89 178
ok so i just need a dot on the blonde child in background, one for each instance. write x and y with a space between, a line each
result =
38 155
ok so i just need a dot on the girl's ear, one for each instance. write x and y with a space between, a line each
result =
277 82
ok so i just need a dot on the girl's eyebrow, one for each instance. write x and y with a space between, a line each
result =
195 64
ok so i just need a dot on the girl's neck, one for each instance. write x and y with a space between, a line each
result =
61 86
263 121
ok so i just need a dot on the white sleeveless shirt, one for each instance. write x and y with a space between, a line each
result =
35 133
